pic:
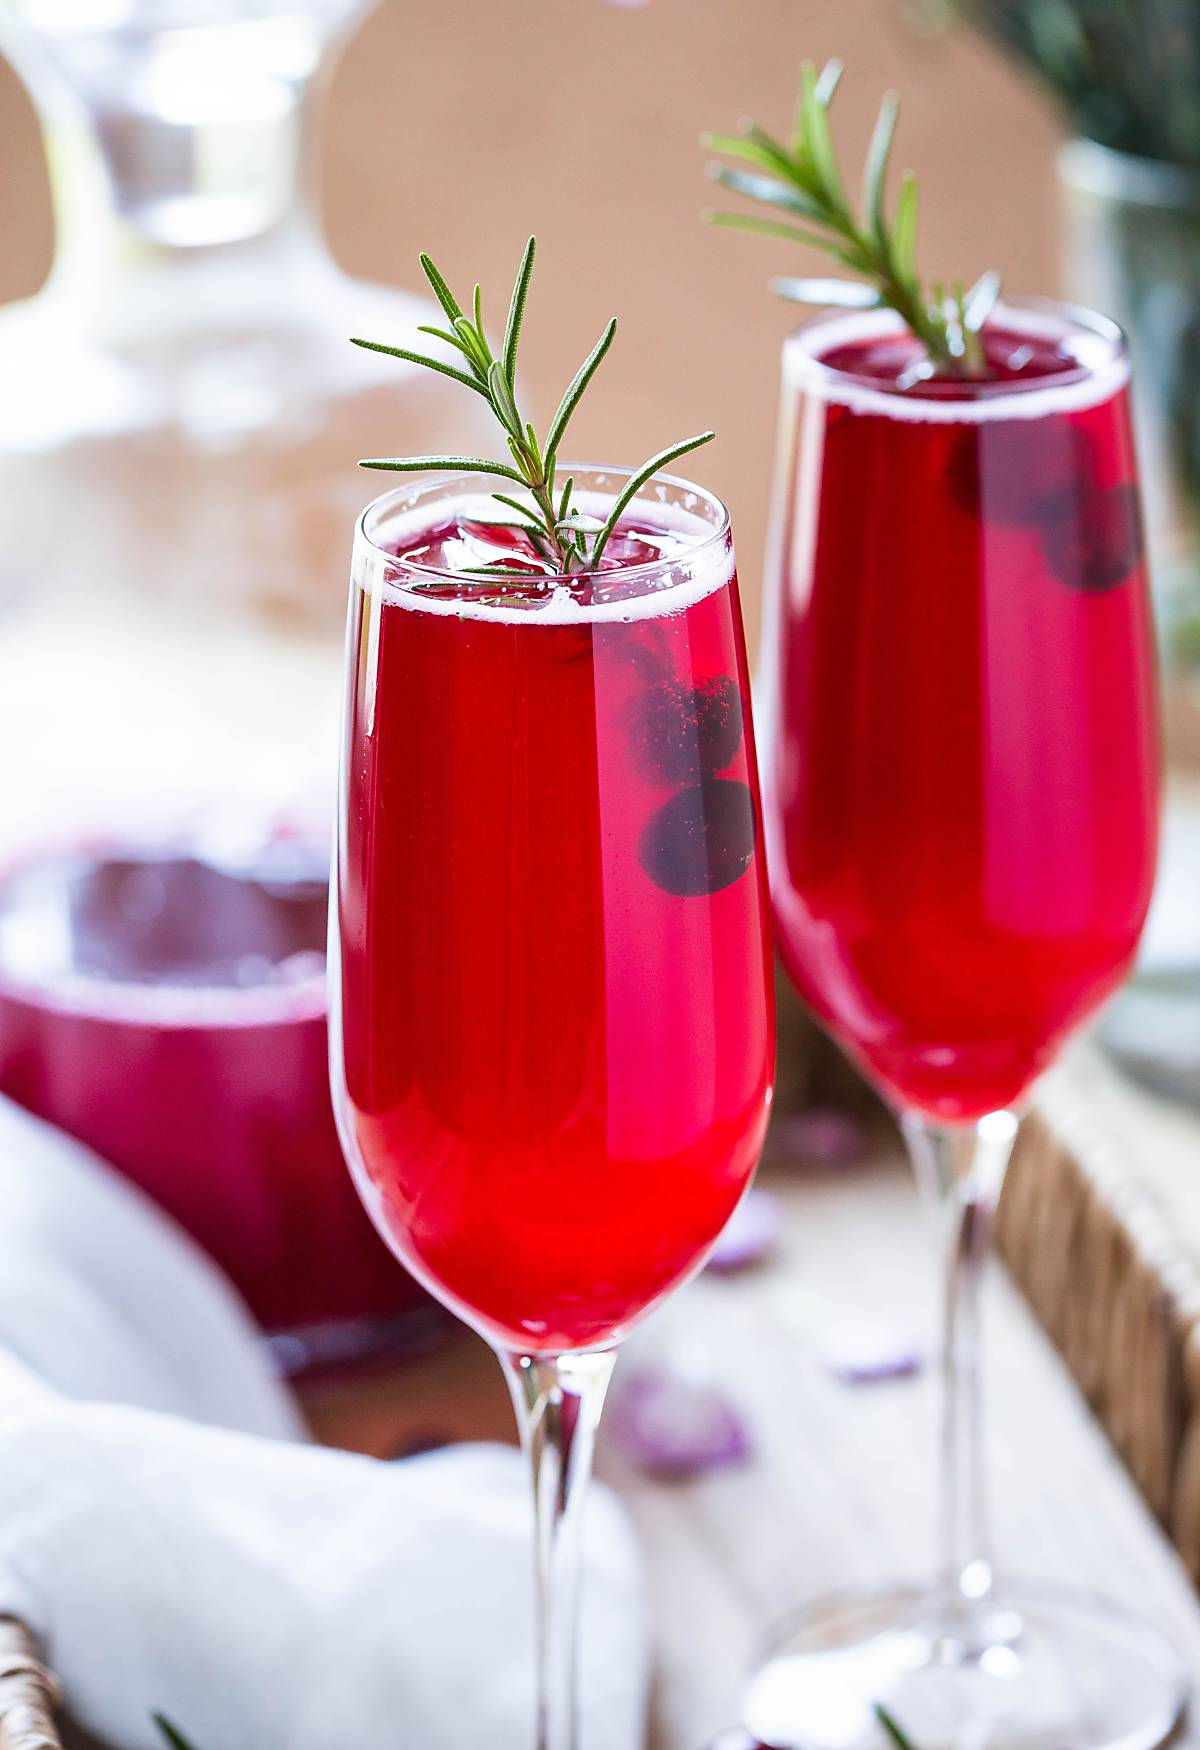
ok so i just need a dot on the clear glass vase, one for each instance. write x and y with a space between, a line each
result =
179 429
1133 249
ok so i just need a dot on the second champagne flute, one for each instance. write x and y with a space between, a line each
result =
961 792
961 784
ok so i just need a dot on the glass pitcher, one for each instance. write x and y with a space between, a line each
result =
179 427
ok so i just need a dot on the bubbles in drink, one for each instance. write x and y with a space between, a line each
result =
680 728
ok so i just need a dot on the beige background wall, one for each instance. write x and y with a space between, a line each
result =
459 126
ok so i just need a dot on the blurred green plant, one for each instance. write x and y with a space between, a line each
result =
1126 71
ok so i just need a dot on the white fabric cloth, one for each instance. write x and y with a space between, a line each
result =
179 1548
104 1298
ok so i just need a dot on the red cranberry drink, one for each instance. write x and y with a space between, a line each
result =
164 1002
962 775
551 1022
555 1043
961 801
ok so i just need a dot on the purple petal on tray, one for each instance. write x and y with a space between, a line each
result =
866 1352
672 1426
822 1136
750 1235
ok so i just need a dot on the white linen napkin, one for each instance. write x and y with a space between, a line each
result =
178 1548
103 1297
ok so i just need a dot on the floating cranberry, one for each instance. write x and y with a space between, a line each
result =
701 840
1093 540
1003 471
681 732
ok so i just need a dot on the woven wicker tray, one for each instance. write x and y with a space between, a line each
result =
28 1693
1100 1224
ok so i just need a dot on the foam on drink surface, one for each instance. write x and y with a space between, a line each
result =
661 558
1039 363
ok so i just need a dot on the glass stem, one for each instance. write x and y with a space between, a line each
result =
960 1169
558 1400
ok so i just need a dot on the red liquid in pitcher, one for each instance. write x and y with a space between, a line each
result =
556 1037
168 1009
962 779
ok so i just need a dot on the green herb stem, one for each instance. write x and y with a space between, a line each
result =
896 1734
802 181
566 542
170 1734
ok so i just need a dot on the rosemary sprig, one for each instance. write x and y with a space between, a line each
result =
562 537
802 180
895 1732
170 1734
898 1737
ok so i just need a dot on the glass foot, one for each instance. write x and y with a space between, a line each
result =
1030 1668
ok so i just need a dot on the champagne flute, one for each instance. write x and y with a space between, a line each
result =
961 783
552 1040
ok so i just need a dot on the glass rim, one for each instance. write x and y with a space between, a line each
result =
1045 393
1109 173
719 532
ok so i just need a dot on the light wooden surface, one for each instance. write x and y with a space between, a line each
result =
841 1488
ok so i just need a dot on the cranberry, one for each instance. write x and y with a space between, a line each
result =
701 840
1093 541
1003 472
680 731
